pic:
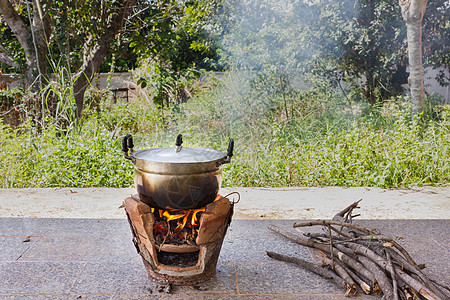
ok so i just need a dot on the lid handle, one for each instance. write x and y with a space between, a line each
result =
178 143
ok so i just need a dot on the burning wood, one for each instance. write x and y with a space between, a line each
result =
176 226
358 256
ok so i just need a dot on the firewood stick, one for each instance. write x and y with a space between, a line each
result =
331 222
308 242
331 248
408 266
392 272
349 252
315 268
346 216
323 236
365 251
402 294
429 284
415 294
365 287
362 284
351 285
380 276
382 262
417 285
408 294
343 233
369 238
444 288
347 209
399 260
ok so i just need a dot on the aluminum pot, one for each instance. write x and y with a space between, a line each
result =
177 177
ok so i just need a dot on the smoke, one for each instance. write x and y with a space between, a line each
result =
266 34
266 45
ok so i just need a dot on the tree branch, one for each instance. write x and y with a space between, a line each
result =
7 58
21 31
309 266
312 244
331 222
99 51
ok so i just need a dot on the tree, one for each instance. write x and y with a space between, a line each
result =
79 35
173 45
35 49
359 42
412 12
96 23
97 53
267 40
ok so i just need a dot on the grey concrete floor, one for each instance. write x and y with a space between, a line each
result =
51 258
76 243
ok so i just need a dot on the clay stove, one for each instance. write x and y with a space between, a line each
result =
179 246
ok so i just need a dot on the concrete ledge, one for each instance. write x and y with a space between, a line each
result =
256 203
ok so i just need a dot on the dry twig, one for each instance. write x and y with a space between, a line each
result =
363 256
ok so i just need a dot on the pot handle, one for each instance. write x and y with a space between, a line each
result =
127 144
227 158
178 143
230 148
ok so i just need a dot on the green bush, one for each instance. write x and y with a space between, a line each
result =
321 143
89 157
407 152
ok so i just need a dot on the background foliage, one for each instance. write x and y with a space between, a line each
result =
324 142
310 95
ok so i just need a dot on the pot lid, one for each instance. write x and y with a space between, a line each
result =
184 155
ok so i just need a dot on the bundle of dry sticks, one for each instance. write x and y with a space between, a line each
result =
353 255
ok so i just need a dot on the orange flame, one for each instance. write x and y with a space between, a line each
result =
195 217
171 217
189 217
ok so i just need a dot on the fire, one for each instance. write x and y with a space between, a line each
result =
160 229
187 218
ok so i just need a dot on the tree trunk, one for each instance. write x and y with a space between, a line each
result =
23 35
97 54
412 12
372 61
7 58
369 89
41 30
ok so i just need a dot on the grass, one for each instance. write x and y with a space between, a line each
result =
90 157
301 139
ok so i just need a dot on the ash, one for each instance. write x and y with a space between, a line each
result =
178 259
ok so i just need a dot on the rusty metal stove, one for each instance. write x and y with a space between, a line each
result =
181 264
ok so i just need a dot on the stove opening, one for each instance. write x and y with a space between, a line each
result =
174 259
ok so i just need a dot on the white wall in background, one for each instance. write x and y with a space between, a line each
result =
431 85
125 80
